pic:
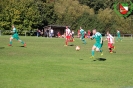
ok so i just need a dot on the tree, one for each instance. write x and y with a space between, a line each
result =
69 11
26 14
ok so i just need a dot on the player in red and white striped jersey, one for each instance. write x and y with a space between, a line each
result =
67 32
110 39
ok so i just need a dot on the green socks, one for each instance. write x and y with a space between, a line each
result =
92 52
101 51
10 42
84 41
22 42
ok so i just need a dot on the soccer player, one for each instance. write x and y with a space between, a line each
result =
67 36
99 42
82 32
110 39
118 36
15 36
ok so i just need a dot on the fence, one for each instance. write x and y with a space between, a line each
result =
124 35
28 33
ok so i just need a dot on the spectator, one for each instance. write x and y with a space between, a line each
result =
85 35
51 32
38 33
58 34
42 33
89 32
63 36
47 32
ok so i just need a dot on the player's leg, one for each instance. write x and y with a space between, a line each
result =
117 38
93 51
120 38
66 42
10 43
22 42
17 38
109 47
83 39
71 39
113 47
99 48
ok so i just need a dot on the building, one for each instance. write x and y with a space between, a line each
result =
56 28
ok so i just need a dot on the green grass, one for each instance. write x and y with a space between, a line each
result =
46 63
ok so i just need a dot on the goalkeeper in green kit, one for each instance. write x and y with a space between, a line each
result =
82 32
15 36
98 45
118 36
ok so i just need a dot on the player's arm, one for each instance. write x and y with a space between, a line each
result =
101 40
105 39
13 31
92 37
113 39
69 32
80 32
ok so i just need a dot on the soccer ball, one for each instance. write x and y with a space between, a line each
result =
77 48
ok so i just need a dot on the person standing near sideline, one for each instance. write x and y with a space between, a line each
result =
51 32
47 32
118 36
38 33
82 32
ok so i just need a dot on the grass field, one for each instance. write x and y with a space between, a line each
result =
46 63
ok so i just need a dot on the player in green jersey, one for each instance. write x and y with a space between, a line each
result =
118 36
82 32
99 42
15 36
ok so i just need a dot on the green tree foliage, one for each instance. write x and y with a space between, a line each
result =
25 14
98 4
69 11
28 15
106 16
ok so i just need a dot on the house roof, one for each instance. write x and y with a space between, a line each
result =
57 26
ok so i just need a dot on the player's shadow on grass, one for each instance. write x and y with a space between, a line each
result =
80 59
2 47
21 46
71 45
100 59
